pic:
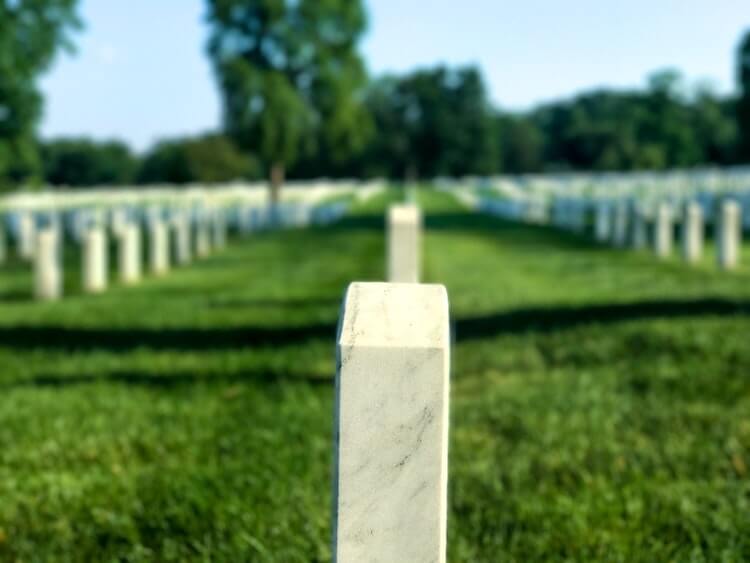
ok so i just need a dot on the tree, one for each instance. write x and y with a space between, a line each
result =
433 122
743 103
290 78
31 32
82 162
209 159
521 143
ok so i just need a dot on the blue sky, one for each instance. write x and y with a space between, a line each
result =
141 74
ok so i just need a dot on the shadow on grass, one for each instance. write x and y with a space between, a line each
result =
538 320
167 380
187 339
558 318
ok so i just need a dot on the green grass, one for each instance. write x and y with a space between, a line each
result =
600 401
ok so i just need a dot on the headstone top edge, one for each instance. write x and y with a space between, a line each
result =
395 315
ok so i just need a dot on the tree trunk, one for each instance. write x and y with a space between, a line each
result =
277 180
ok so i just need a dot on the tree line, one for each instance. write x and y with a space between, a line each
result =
298 103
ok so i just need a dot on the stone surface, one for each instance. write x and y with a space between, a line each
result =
219 227
26 235
620 224
729 235
130 253
182 238
95 260
639 232
404 243
663 231
603 223
202 236
692 233
391 455
159 247
47 265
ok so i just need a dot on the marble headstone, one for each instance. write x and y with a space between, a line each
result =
620 224
729 235
640 228
182 238
159 246
26 235
391 441
130 253
95 262
47 265
404 243
663 231
692 233
603 223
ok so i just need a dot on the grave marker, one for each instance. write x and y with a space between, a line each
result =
404 243
47 265
391 443
729 235
692 233
95 263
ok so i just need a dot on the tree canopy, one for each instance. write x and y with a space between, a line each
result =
208 159
31 32
290 75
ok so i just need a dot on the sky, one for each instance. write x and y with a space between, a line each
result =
140 72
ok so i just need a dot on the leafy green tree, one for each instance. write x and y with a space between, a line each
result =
522 144
207 160
433 122
743 103
290 78
82 162
31 32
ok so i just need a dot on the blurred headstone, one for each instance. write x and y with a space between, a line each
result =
404 243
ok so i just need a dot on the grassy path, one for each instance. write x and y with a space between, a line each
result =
601 402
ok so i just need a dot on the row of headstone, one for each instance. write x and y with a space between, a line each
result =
392 409
163 234
185 232
625 224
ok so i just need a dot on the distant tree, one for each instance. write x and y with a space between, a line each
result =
435 122
83 162
31 32
208 160
521 145
290 78
743 102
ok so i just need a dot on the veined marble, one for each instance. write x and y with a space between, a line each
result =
392 383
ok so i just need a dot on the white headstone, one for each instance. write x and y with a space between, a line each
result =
404 243
183 242
26 235
202 236
391 443
640 228
219 228
95 262
692 233
729 235
130 253
159 246
47 265
663 231
603 223
620 224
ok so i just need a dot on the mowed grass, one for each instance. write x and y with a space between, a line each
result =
600 401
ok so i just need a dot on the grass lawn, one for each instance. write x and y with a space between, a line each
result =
600 401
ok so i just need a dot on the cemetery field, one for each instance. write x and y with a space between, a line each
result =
600 401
